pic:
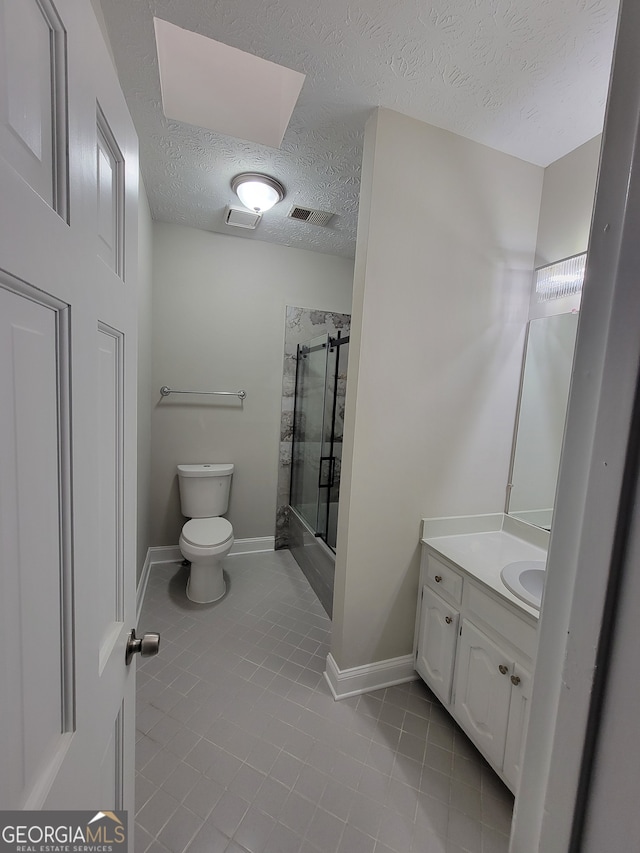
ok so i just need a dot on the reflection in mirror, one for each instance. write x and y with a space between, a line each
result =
543 406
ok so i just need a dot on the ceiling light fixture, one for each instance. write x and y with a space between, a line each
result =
257 192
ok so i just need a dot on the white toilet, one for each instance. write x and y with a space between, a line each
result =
207 538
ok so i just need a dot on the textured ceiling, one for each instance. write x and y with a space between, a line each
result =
527 77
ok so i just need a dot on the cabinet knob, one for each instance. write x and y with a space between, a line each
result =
503 669
438 578
515 680
448 620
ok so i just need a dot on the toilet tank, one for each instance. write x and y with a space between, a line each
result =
204 489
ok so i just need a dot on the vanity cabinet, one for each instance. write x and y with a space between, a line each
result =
476 652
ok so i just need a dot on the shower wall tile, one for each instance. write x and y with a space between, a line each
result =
301 324
282 527
289 379
286 425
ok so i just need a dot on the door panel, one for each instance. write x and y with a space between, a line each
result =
31 521
86 578
33 95
110 767
109 471
109 180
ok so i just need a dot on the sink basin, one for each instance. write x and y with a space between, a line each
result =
525 579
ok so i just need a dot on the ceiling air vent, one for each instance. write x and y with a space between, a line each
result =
307 214
241 218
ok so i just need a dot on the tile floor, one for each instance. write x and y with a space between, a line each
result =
241 747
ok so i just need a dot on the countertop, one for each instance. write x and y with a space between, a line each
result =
483 553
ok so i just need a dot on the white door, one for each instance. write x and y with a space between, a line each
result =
68 258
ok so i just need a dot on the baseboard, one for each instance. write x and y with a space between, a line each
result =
253 546
158 554
171 553
142 584
164 554
364 679
155 555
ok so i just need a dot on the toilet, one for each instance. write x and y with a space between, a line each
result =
206 538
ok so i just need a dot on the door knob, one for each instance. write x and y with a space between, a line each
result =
503 669
448 620
515 680
148 645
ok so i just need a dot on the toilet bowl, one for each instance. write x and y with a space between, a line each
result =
206 538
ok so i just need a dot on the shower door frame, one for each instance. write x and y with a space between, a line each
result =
334 343
321 531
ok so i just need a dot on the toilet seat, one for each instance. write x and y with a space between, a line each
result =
207 532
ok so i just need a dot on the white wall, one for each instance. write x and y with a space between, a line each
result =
563 230
446 241
566 206
218 324
144 377
565 215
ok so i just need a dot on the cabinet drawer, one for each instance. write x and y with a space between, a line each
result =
443 579
500 621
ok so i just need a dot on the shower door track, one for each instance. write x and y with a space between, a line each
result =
333 342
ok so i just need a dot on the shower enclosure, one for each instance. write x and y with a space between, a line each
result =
316 458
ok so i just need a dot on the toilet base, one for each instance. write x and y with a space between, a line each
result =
206 584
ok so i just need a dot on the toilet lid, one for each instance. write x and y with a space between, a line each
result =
207 532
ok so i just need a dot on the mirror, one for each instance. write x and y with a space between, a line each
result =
541 416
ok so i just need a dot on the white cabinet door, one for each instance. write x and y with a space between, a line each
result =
437 637
482 692
517 724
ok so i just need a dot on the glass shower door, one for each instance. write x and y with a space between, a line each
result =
321 377
331 459
339 393
327 461
308 429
